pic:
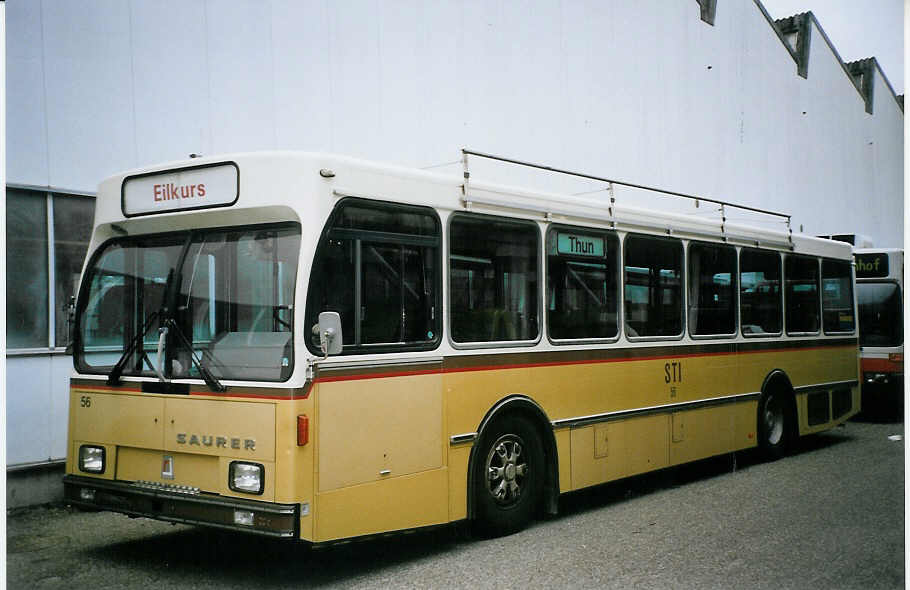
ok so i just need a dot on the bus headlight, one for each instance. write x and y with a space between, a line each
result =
91 459
246 477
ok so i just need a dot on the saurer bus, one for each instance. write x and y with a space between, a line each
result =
314 347
879 293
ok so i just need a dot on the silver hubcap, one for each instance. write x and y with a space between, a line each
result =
506 470
773 417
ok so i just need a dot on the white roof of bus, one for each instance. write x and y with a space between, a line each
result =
264 178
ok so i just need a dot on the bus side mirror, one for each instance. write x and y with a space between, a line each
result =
70 324
329 332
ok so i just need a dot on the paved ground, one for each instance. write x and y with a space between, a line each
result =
830 516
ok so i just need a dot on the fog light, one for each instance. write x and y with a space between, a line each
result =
246 477
243 517
87 495
91 459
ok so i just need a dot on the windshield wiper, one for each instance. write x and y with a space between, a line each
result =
113 377
210 380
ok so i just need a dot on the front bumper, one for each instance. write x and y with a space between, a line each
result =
182 505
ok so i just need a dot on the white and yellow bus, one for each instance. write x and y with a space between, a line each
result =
314 347
880 296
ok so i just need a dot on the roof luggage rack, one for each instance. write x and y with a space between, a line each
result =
611 182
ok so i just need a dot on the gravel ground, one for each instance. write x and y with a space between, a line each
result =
829 516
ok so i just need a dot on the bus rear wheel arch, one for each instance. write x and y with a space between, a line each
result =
509 476
776 420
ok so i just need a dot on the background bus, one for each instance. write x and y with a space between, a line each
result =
314 347
879 294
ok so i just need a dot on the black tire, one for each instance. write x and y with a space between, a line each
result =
509 474
775 425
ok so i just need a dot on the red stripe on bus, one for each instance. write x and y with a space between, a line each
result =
882 365
377 375
196 393
248 396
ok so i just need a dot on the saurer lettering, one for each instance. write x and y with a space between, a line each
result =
218 442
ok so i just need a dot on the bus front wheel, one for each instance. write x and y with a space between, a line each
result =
509 476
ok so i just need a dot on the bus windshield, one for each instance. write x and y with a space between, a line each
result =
222 296
880 318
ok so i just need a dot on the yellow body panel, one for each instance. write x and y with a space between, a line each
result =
213 427
124 420
563 452
378 429
398 503
458 483
631 446
294 478
189 470
711 431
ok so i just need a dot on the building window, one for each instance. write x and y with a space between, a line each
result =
72 231
801 275
712 288
26 269
38 290
493 279
653 286
582 283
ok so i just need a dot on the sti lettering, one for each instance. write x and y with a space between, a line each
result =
170 191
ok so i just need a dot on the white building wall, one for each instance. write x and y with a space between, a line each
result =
639 91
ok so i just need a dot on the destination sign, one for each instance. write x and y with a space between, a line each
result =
179 190
871 265
579 245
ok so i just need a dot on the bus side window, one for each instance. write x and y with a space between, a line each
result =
712 285
837 296
653 289
582 283
377 267
760 292
801 280
493 279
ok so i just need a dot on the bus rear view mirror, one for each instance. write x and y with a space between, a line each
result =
330 332
70 324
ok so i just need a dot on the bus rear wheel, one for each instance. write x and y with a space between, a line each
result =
509 476
774 427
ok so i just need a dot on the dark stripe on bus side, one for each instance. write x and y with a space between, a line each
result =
580 421
340 372
277 393
560 357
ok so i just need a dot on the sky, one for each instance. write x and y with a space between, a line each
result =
857 29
